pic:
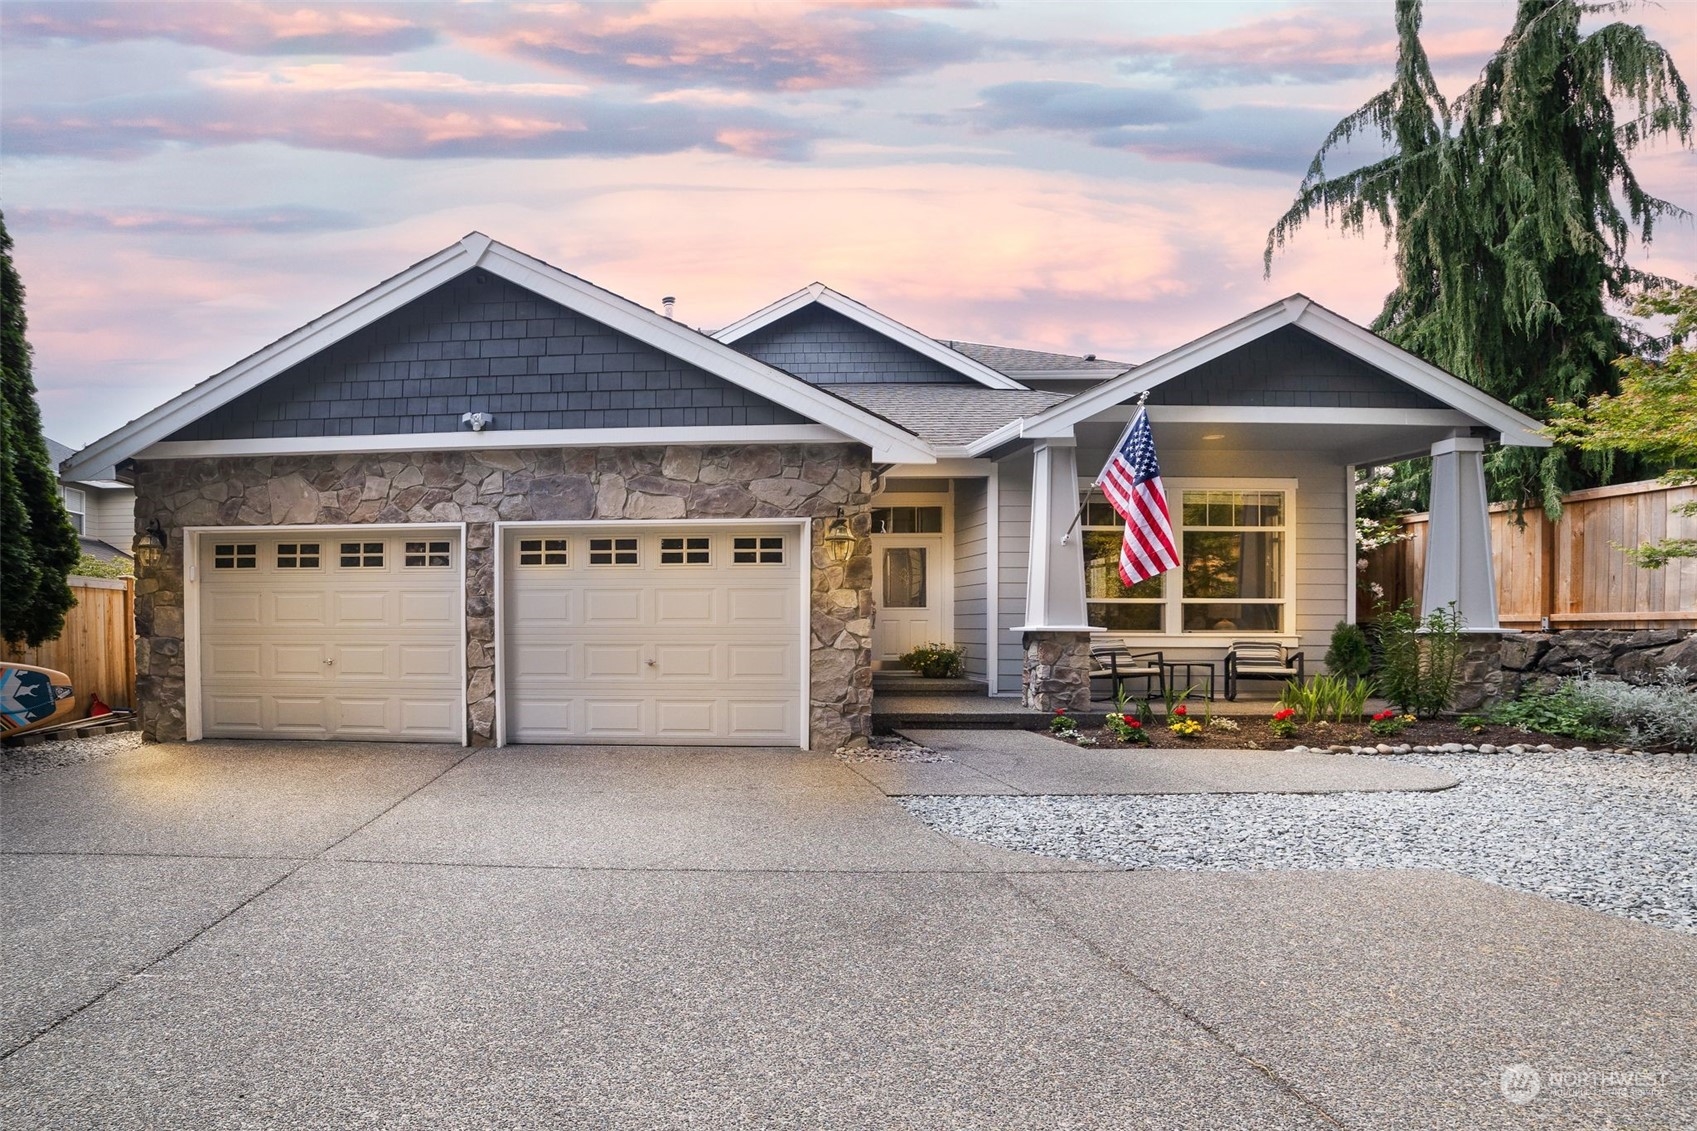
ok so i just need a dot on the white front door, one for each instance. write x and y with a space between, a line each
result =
910 586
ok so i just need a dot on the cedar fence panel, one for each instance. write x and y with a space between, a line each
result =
97 649
1569 570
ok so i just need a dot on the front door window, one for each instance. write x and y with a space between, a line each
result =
904 577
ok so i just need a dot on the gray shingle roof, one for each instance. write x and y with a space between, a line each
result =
1006 359
948 414
58 453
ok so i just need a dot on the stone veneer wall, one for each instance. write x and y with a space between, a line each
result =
1497 667
1057 671
482 487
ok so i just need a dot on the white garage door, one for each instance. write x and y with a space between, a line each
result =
681 634
332 635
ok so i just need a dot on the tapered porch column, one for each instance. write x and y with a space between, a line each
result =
1458 538
1055 636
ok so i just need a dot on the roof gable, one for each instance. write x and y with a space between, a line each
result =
823 347
1290 366
477 251
818 294
479 343
1358 344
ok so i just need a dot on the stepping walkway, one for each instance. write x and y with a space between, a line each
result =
986 762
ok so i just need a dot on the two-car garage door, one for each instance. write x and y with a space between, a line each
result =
688 633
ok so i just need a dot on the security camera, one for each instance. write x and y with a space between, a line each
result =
478 420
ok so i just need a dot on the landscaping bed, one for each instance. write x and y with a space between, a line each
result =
1237 732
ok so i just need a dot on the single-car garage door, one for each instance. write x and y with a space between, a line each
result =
680 634
332 634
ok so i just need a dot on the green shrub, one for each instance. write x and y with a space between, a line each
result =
1420 657
1563 710
90 566
1350 654
936 661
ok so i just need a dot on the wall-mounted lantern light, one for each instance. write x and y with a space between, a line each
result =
839 539
150 545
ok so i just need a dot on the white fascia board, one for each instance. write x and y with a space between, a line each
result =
768 314
497 441
944 469
1258 414
887 441
291 349
878 323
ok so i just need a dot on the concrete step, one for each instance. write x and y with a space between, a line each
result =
909 683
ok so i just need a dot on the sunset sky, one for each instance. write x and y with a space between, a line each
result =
187 182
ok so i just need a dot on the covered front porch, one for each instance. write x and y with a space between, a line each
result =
1259 429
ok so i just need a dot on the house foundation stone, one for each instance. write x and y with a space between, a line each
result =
1057 671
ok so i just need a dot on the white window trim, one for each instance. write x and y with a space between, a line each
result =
75 500
1174 598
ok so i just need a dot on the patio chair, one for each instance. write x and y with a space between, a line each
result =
1260 659
1119 664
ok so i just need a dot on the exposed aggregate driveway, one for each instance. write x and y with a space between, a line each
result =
305 935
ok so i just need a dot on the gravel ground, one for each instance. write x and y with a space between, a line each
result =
1610 832
22 761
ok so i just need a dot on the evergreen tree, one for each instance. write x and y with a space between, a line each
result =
38 544
1506 209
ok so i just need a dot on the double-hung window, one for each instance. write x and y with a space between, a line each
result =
1234 542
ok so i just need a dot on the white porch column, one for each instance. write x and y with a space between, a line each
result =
1458 539
1054 582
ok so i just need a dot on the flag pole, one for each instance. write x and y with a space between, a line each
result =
1073 525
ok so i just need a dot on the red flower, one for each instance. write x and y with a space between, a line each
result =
1060 710
1134 723
1382 715
1179 710
1283 714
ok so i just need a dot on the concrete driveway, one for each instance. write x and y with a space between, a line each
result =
309 935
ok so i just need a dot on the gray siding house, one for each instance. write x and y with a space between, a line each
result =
488 502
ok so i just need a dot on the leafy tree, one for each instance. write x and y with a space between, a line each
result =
1511 211
1653 415
90 566
38 544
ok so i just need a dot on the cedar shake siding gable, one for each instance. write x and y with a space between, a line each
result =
1289 367
482 344
823 347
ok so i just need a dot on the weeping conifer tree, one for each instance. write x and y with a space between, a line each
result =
1512 211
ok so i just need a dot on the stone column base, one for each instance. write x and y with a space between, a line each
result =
1057 671
1479 675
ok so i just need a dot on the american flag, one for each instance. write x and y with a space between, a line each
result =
1131 481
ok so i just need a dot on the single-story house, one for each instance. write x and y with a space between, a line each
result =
488 502
102 507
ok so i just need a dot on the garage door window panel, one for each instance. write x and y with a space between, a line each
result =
362 555
235 555
614 552
543 552
686 551
757 551
298 555
429 555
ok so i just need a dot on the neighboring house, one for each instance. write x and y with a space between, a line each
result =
102 508
488 501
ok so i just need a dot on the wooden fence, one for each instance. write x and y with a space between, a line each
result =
98 647
1570 570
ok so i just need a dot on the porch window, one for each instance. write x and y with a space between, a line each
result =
1233 545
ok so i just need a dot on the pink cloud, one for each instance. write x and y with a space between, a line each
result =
243 27
789 47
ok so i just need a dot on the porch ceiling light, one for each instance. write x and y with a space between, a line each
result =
839 539
1214 436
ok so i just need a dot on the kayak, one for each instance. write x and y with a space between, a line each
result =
33 697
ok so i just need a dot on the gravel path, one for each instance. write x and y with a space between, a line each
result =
1609 832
